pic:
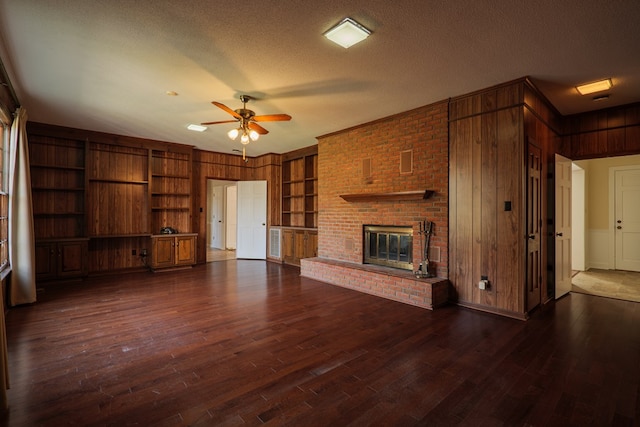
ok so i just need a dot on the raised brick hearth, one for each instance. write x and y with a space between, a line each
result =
386 282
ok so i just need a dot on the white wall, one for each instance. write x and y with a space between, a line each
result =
578 219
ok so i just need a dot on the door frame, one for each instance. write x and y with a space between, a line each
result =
534 271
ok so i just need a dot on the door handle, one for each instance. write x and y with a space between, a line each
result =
532 236
559 234
619 221
619 228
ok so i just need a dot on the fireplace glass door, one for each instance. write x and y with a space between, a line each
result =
389 246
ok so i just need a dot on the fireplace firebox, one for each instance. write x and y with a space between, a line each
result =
390 246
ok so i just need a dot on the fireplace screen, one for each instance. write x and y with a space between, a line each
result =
389 246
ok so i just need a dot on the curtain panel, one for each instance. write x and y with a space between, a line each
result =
22 289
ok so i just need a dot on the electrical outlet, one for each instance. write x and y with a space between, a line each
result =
483 284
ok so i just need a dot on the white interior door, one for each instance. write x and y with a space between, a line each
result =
252 220
217 218
627 219
563 174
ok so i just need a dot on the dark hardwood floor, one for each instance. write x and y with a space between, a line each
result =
250 343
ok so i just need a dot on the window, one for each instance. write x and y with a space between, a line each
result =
4 197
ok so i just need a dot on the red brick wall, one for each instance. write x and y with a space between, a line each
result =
340 158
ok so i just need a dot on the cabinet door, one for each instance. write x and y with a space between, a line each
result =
163 251
311 244
299 246
45 260
185 250
72 260
287 246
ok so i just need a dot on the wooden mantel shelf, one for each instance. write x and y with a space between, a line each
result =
394 196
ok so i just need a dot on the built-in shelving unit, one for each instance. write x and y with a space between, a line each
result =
58 187
170 190
299 204
117 191
300 190
98 200
58 200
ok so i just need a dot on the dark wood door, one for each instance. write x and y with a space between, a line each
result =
186 250
288 246
45 260
311 244
534 225
72 258
163 251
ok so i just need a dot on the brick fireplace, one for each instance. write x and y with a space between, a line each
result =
393 171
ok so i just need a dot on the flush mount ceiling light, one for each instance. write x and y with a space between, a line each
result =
347 33
598 86
197 128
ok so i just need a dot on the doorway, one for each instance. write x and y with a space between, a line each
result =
221 220
594 216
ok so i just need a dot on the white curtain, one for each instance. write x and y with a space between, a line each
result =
21 236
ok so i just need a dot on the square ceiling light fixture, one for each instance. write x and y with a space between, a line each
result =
594 87
347 33
197 128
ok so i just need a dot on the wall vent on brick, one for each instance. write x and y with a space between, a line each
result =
366 170
406 161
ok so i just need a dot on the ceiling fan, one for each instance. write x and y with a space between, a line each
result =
248 129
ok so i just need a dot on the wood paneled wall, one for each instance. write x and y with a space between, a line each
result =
486 167
120 183
210 165
489 132
604 133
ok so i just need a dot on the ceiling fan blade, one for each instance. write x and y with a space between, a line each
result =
272 118
258 128
216 123
227 109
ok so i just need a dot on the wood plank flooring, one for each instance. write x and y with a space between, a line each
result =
251 343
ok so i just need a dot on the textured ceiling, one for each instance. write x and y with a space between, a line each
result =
107 66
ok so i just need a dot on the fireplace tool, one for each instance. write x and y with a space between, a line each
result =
425 240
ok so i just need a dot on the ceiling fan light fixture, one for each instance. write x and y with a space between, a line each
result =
233 133
254 135
594 87
244 139
347 33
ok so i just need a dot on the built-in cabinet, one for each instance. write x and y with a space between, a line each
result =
99 199
298 243
299 205
58 201
173 250
64 258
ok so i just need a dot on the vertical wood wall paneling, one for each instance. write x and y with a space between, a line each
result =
487 170
603 133
490 205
